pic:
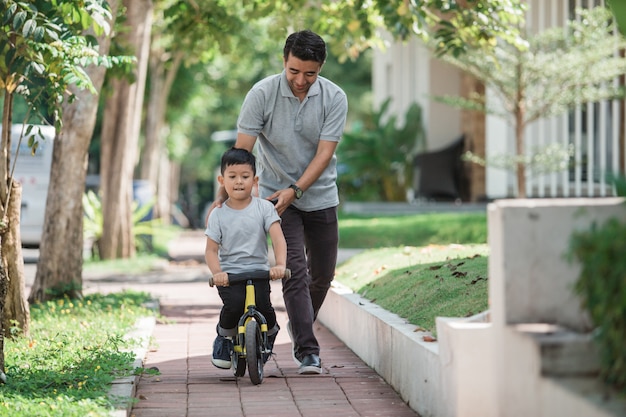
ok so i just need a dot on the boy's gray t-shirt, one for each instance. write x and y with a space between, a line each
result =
288 132
242 235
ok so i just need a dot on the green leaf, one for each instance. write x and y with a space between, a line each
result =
19 19
6 18
38 34
29 27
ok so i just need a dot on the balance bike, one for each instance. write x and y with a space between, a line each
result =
250 344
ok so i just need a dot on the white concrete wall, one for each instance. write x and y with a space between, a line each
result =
528 241
407 73
491 365
499 140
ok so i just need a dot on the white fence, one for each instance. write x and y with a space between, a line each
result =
594 130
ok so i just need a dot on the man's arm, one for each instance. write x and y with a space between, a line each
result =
245 141
323 156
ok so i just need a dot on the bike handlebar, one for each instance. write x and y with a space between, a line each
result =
244 276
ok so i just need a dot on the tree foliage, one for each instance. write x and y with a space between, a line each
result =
44 51
559 69
355 25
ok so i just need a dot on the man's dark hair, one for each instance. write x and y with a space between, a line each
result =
305 45
238 156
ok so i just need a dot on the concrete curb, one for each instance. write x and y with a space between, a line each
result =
123 389
389 345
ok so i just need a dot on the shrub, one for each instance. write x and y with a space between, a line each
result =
602 287
377 156
144 228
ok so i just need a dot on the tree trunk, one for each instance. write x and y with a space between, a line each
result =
519 149
16 310
120 137
59 271
154 151
3 293
164 194
520 115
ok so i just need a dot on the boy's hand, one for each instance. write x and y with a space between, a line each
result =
220 279
277 272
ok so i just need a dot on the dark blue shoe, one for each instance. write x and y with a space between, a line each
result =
311 365
222 351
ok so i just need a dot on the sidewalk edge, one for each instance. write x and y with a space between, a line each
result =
123 389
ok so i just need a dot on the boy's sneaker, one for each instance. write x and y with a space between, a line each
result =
294 346
222 351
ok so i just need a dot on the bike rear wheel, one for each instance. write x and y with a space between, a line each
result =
254 352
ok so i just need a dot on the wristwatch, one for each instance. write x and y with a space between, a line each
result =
297 189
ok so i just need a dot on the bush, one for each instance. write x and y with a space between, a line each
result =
602 287
376 156
144 227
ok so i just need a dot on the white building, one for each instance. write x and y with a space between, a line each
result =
409 73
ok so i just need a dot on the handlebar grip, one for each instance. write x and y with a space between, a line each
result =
232 278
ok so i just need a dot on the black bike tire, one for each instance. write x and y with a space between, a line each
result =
254 352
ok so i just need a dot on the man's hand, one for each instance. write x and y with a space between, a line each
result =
217 203
284 199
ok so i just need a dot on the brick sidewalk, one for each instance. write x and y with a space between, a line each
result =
189 385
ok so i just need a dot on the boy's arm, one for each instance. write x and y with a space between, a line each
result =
213 261
280 251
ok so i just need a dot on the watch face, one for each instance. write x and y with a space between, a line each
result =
297 190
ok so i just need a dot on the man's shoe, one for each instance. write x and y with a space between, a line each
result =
222 350
311 365
294 346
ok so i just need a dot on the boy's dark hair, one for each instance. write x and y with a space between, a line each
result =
305 45
238 156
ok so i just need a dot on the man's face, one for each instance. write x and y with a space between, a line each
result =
301 74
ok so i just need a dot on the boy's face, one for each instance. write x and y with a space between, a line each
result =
238 181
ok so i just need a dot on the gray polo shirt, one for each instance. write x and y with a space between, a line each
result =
288 132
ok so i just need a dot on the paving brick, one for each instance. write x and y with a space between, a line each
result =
189 385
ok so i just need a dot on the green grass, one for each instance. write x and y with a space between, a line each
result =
415 230
139 264
431 265
75 350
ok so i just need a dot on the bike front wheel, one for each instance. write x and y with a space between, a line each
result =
238 364
254 352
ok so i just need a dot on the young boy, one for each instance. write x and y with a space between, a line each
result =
236 243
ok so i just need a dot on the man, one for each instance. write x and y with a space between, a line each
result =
298 118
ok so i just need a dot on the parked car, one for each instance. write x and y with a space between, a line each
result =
33 172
